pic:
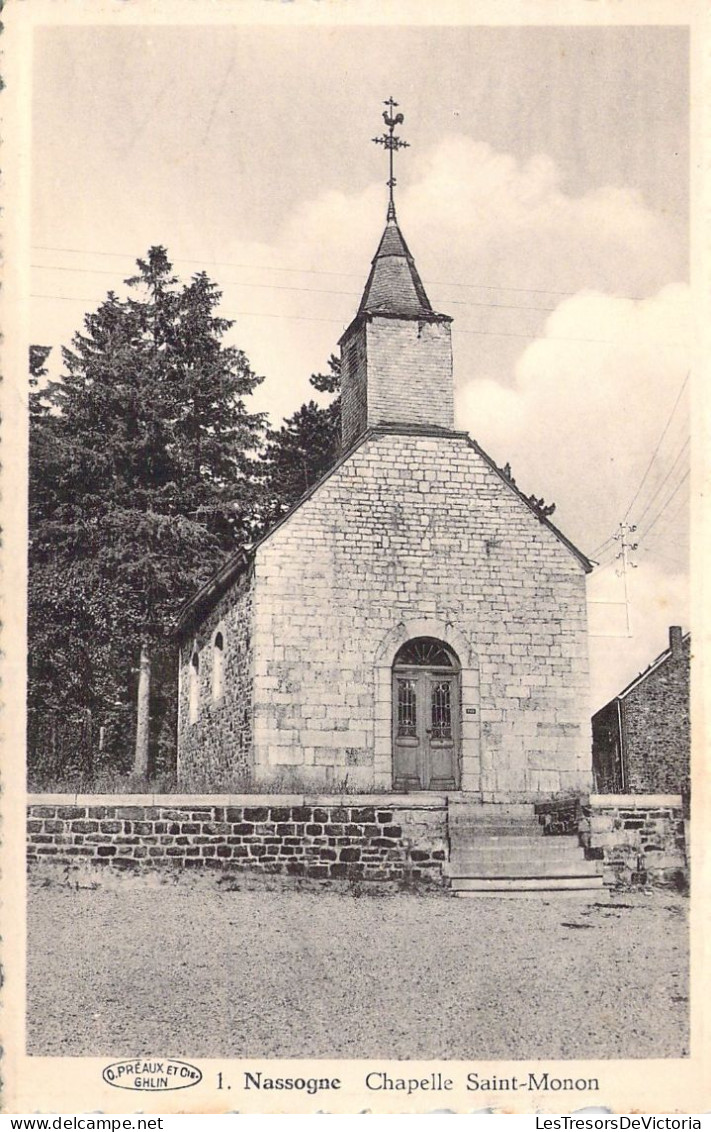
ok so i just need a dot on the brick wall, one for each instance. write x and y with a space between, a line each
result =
655 719
215 750
417 536
355 838
639 838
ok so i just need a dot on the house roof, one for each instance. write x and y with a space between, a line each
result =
643 675
240 562
656 663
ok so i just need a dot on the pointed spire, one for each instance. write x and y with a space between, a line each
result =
394 286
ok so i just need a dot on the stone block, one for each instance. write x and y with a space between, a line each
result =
254 814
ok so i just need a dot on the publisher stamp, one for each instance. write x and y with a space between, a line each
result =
151 1076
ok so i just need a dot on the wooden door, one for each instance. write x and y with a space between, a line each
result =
425 729
441 745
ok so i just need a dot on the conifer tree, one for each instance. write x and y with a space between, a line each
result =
143 475
299 453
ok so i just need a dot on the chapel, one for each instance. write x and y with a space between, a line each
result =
415 622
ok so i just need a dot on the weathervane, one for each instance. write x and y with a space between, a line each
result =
391 143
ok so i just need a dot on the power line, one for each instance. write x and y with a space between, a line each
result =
342 322
659 444
649 503
231 314
607 544
607 559
661 511
319 271
602 546
664 557
307 290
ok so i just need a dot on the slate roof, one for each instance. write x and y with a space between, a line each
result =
394 286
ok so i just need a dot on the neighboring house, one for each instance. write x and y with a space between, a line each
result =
415 622
641 739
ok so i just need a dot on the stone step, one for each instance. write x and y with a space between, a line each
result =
480 863
492 820
475 839
516 849
506 810
489 830
580 896
532 868
526 884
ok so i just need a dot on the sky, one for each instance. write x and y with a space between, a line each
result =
544 196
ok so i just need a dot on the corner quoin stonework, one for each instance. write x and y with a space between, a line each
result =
410 534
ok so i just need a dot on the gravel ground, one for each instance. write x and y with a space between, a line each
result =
192 967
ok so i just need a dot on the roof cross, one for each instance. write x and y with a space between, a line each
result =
391 143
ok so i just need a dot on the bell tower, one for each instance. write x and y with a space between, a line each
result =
396 355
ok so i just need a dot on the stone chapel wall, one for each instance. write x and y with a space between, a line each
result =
354 388
410 372
414 532
395 371
215 750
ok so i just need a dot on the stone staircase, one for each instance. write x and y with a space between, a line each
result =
500 850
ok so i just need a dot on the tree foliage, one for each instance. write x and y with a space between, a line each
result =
299 453
143 474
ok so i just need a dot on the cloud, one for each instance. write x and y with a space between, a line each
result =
498 242
588 405
472 214
484 227
590 402
466 184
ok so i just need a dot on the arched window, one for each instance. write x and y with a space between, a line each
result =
194 689
218 667
426 652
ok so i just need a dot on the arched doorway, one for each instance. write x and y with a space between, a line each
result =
426 716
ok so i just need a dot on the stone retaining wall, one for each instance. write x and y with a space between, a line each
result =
352 837
640 837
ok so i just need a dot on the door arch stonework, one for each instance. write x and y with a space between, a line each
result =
426 716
